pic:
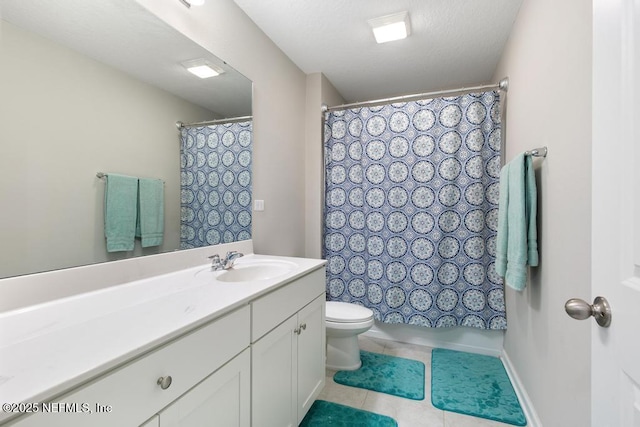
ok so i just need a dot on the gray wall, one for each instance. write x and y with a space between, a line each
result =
66 117
548 61
319 91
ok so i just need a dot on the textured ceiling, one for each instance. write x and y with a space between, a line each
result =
453 43
126 36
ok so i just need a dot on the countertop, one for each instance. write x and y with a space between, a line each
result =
47 349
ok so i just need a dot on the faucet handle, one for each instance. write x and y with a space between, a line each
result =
215 261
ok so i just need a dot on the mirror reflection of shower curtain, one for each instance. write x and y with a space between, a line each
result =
411 203
215 184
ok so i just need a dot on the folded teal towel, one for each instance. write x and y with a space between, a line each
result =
517 241
120 212
150 224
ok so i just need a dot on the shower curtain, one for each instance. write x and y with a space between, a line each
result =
411 208
215 184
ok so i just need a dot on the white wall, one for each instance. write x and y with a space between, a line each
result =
66 117
319 91
548 61
278 110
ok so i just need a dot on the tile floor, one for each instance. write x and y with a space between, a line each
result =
407 412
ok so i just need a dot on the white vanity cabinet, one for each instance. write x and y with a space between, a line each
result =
288 351
221 400
260 364
203 375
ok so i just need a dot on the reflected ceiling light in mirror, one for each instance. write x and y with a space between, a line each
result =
192 2
202 68
391 27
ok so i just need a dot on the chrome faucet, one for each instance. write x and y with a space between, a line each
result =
226 263
230 258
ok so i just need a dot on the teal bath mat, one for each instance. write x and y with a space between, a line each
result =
386 374
474 384
323 413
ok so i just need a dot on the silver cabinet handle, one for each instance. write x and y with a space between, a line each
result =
164 382
300 328
303 326
580 309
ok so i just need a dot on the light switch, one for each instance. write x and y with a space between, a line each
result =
258 205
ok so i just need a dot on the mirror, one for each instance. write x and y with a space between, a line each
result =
91 87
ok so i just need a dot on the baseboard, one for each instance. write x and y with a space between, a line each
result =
472 340
527 406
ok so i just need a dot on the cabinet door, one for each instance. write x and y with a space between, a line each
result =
273 364
311 354
221 400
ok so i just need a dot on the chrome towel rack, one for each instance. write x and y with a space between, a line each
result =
103 176
537 152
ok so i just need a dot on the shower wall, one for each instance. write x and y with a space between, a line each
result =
549 103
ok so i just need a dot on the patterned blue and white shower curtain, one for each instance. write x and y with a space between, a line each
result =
411 210
215 184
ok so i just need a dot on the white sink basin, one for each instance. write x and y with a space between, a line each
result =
252 271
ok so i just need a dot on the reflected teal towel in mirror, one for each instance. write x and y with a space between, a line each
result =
120 212
150 224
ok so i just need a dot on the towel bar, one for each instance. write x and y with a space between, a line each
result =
103 175
537 152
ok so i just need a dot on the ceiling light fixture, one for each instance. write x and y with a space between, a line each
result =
192 2
202 68
391 27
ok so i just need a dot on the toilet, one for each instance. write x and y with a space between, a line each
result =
344 323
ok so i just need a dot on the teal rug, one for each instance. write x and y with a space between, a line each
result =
474 384
386 374
323 413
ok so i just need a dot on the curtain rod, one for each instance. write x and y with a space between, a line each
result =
502 85
181 125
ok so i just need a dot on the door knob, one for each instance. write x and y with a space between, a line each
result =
580 309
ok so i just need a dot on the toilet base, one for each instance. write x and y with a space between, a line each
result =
343 353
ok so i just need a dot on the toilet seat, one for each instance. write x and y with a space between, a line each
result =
342 312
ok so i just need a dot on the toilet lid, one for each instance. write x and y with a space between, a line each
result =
347 313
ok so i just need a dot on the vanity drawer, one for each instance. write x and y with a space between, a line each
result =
133 392
274 308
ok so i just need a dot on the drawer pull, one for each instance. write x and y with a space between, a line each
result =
164 382
301 328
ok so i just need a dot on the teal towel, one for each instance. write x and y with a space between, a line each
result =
120 212
517 241
150 224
